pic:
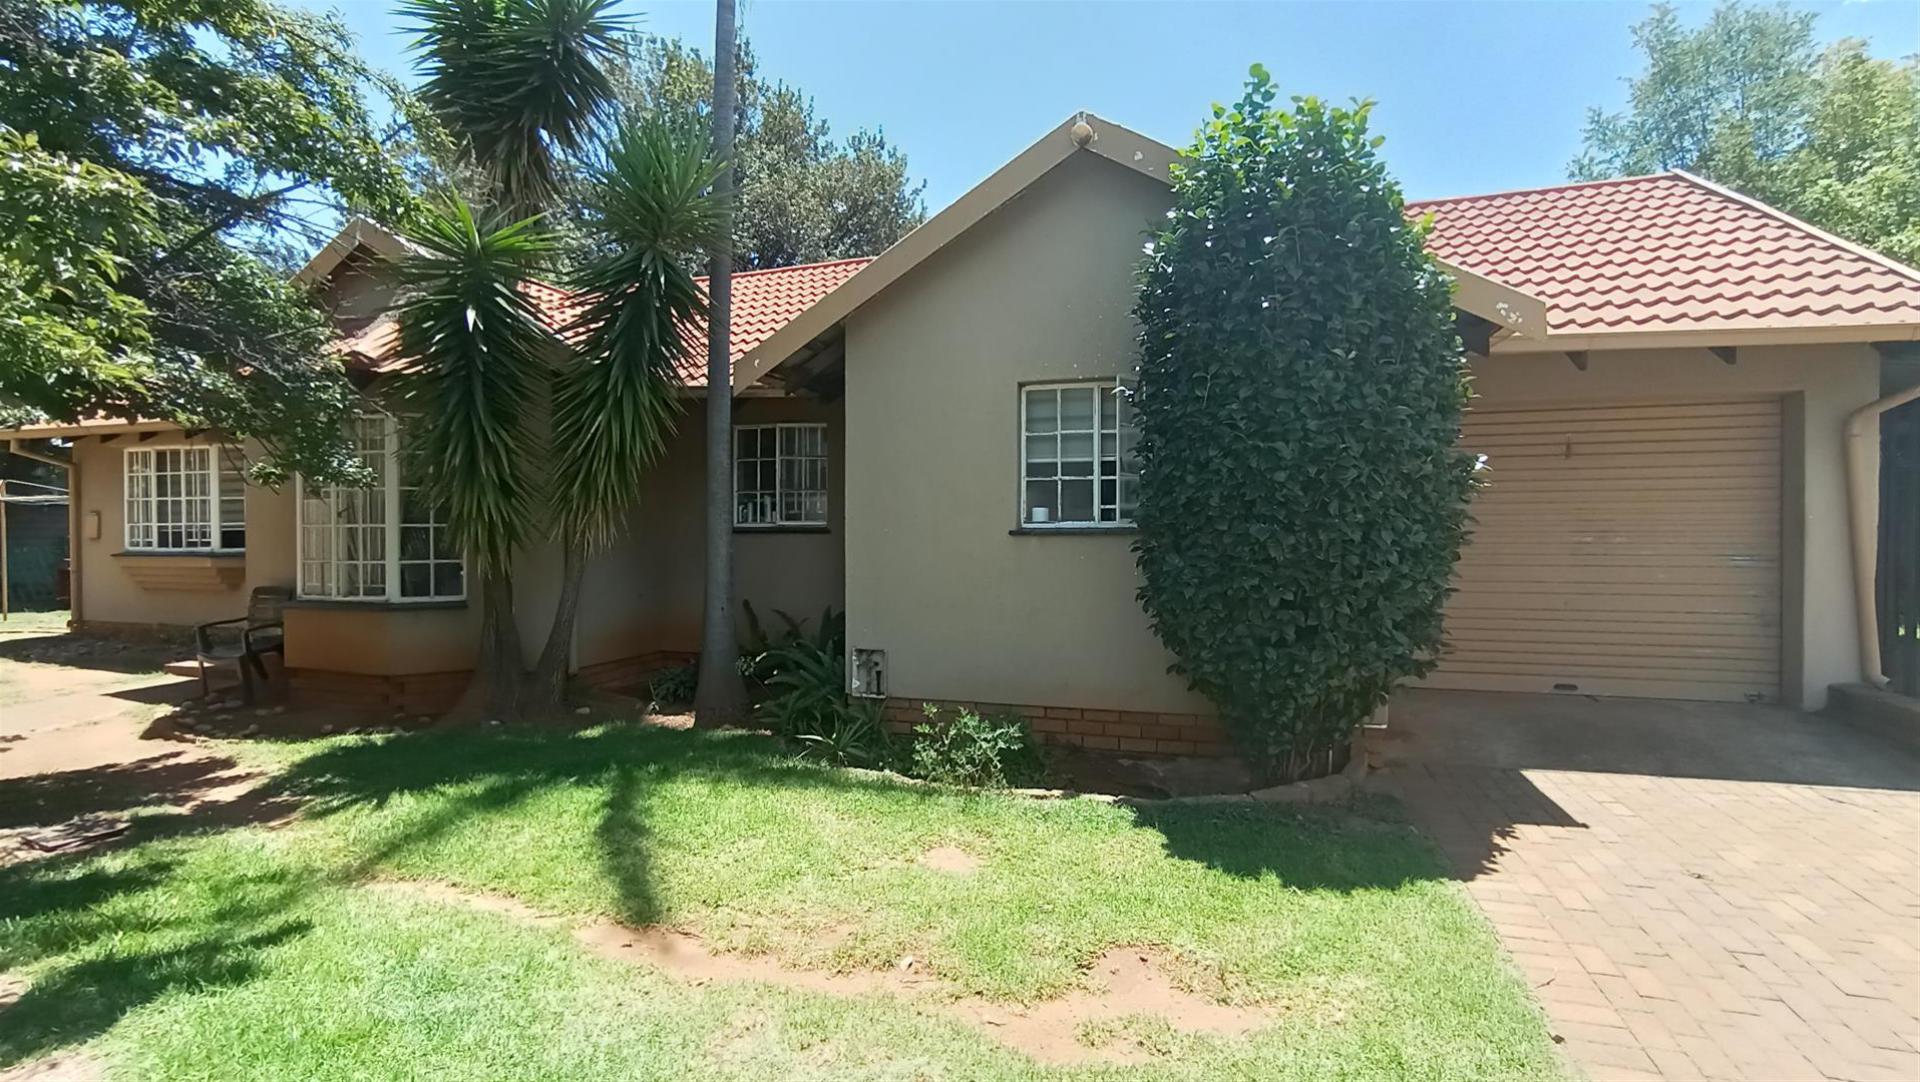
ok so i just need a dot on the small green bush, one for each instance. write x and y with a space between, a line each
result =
674 686
969 748
760 653
805 683
852 734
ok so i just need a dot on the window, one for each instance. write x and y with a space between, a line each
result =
1076 461
780 475
185 499
381 543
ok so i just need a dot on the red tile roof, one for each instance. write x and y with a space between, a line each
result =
1668 253
1660 253
763 302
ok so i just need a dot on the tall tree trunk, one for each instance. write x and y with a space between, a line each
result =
546 694
721 698
499 676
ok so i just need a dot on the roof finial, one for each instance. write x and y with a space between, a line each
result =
1082 131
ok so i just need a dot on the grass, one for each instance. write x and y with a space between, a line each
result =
254 952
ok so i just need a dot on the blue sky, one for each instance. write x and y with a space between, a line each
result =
1473 97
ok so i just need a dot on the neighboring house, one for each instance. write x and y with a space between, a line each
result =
932 440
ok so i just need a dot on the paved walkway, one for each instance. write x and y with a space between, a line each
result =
75 740
1685 906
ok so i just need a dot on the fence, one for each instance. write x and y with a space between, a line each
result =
35 535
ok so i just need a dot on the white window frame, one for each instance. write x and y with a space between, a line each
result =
391 525
780 521
1122 448
216 526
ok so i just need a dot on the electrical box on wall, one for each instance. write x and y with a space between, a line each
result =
868 675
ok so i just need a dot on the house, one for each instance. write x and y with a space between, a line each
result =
930 439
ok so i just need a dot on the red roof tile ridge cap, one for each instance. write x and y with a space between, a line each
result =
1858 249
1568 186
794 267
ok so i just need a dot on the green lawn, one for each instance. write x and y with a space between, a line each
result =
257 953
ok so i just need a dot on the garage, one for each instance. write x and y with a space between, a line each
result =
1629 549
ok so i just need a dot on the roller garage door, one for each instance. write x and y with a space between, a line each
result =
1622 550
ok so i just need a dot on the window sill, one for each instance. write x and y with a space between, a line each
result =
745 530
1071 531
373 606
188 571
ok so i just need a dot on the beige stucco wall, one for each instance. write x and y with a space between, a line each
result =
1039 290
641 595
1820 385
644 594
109 593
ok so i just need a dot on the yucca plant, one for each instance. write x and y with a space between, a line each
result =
614 401
519 84
477 353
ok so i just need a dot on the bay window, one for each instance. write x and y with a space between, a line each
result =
184 499
386 542
780 475
1076 456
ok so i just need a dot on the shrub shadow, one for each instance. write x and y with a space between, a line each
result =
1362 846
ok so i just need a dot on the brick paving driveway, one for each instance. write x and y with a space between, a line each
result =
1693 891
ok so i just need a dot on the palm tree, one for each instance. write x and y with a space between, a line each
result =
520 85
721 697
613 404
479 349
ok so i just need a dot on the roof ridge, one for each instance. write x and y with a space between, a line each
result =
794 267
1567 186
1775 212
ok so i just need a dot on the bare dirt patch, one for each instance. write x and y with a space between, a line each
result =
947 858
64 1067
1124 985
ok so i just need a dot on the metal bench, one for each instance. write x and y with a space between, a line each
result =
244 641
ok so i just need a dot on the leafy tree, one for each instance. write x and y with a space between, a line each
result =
1302 501
1746 100
1859 172
803 196
150 149
614 402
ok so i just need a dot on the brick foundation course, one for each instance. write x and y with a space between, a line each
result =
436 693
1128 732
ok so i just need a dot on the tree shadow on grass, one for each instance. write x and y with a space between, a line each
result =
168 778
498 767
121 937
1362 846
107 936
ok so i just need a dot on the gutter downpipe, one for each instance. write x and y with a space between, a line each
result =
1863 506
